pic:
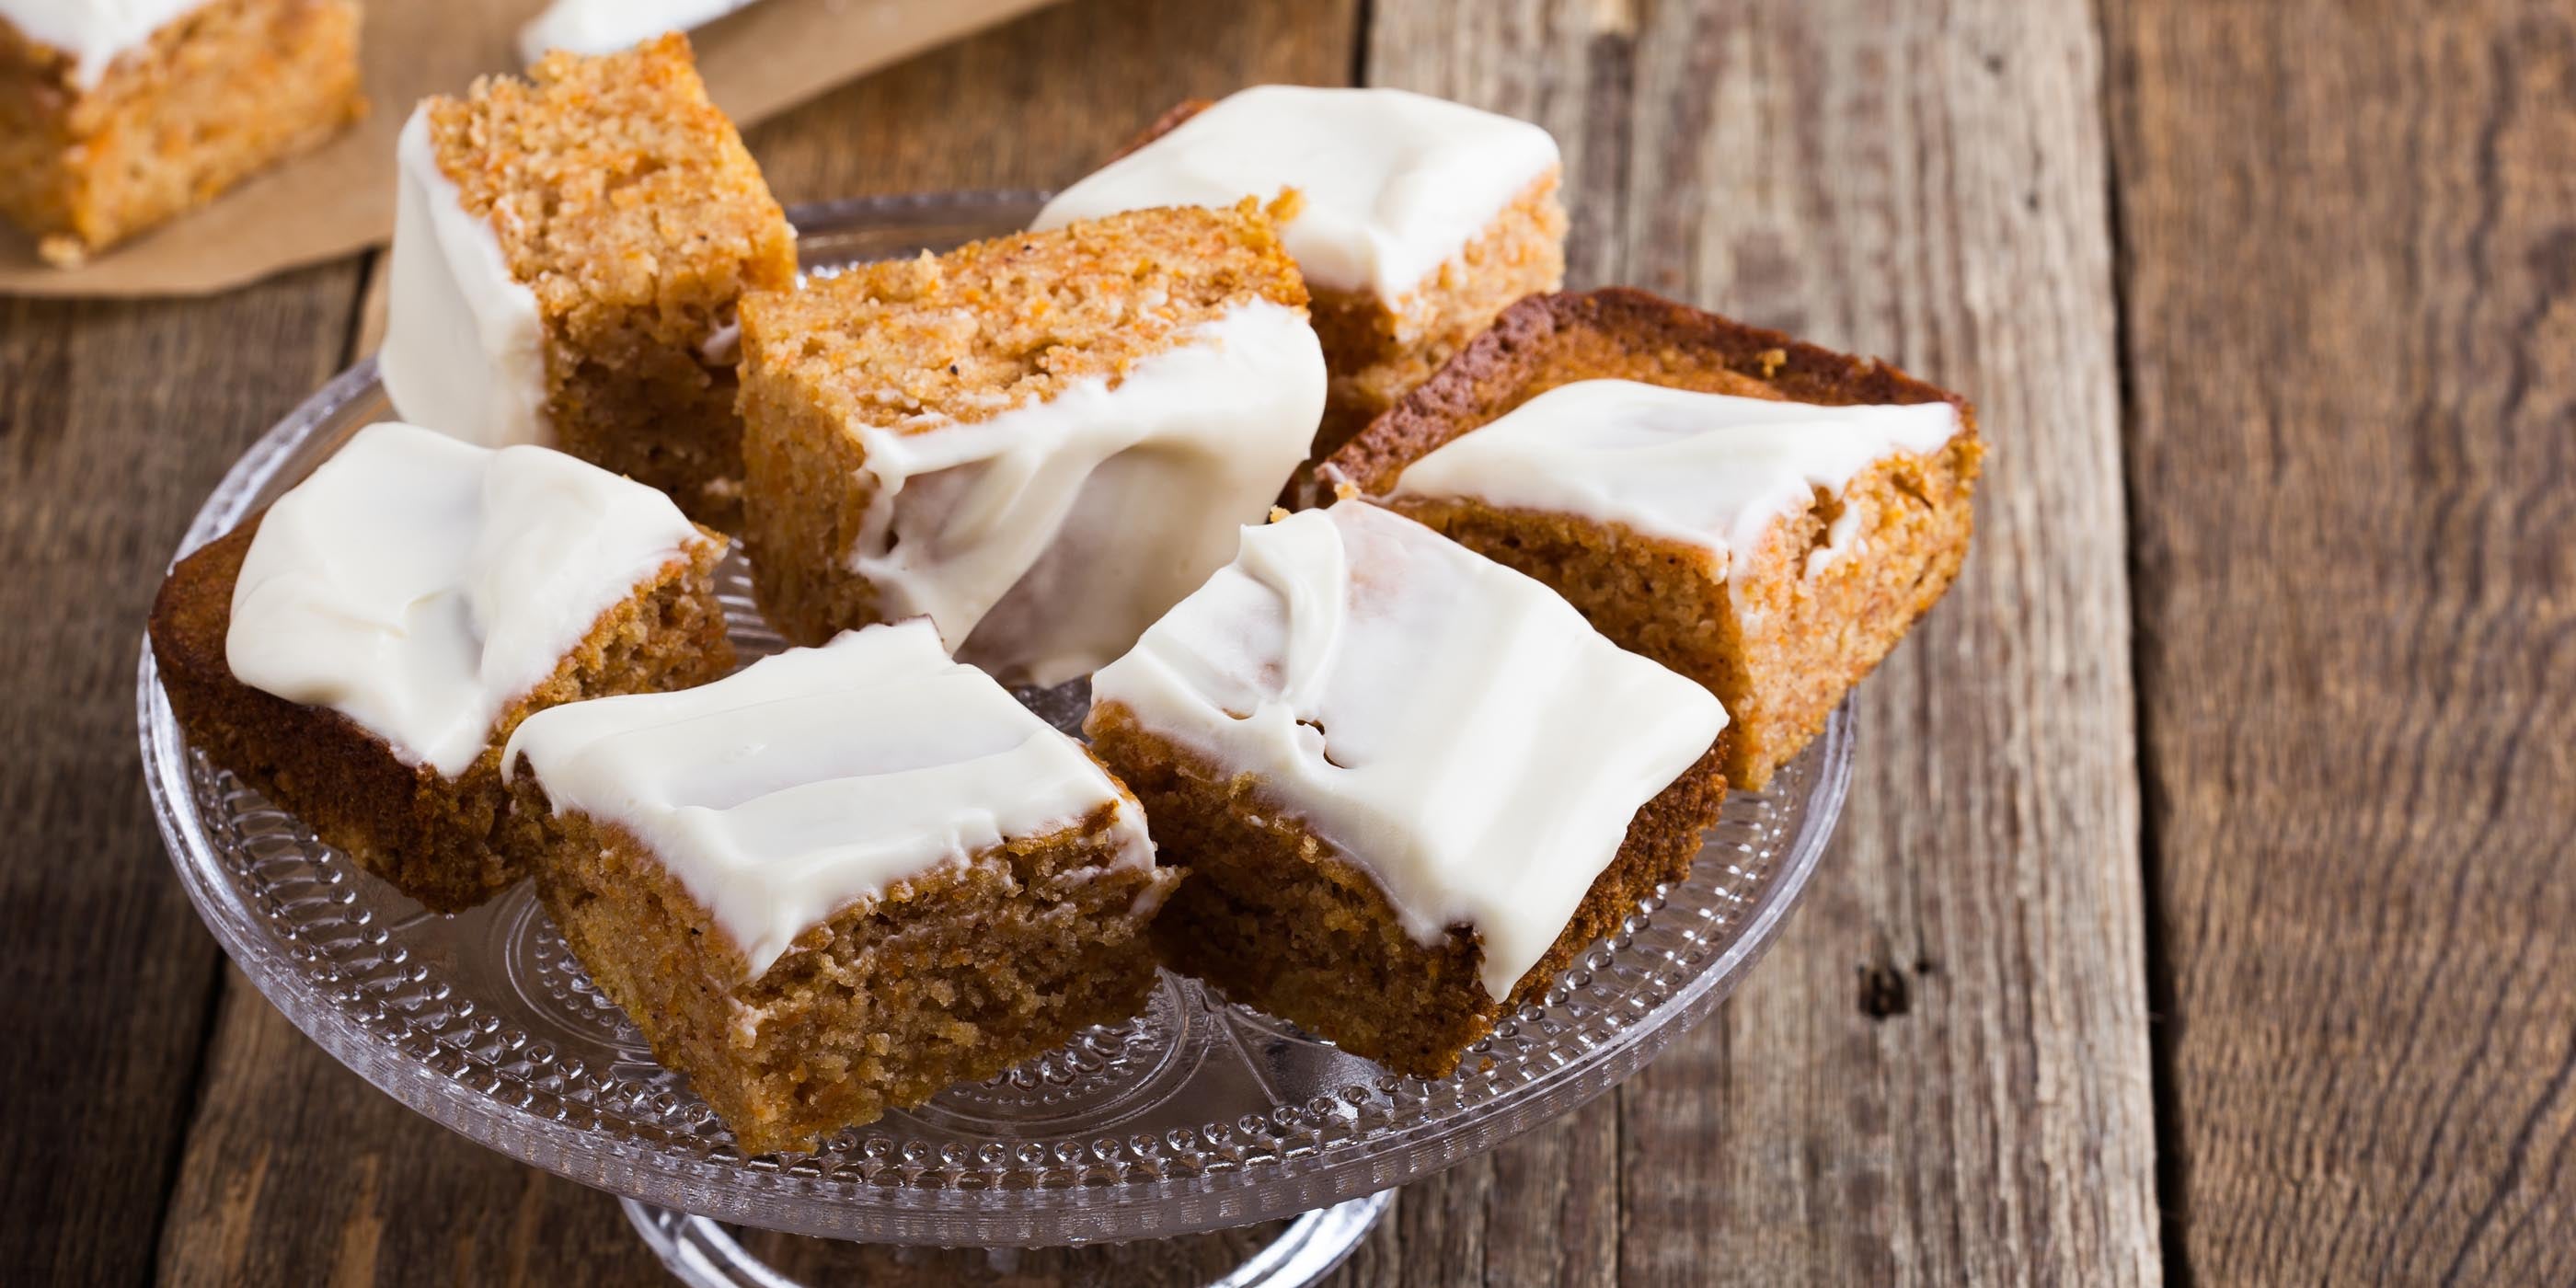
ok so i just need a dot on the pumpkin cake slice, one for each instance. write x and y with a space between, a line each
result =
114 117
839 881
1409 783
1415 220
360 652
568 254
1764 516
1040 442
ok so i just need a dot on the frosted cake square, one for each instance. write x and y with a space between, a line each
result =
360 651
1409 783
1764 516
840 880
117 116
1039 442
568 254
1415 220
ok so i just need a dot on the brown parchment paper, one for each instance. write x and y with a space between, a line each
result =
340 197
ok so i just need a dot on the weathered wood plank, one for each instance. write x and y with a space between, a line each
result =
114 419
1942 1074
2351 320
396 1199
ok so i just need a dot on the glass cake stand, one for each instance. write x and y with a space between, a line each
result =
1195 1116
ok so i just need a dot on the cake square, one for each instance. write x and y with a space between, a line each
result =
568 254
115 117
360 651
840 880
1415 220
1764 516
1409 783
1040 442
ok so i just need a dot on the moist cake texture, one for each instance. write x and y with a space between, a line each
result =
360 651
1414 220
1409 783
840 880
1766 517
569 252
1040 442
115 117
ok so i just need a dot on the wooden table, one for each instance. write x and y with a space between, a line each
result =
2206 907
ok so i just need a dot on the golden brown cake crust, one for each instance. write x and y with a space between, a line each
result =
216 95
1816 628
627 203
954 975
962 337
1277 919
430 837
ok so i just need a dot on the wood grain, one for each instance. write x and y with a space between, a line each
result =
114 420
2351 320
1942 1074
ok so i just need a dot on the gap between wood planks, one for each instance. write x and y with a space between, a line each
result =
2172 1194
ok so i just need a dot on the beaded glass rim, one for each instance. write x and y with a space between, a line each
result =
1195 1116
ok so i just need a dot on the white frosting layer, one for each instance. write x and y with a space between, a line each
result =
607 26
1711 470
818 777
1043 540
95 33
1394 183
419 585
1450 725
465 349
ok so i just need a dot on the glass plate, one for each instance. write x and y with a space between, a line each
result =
1194 1116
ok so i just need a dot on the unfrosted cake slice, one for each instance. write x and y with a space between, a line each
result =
360 652
1414 219
1040 442
840 880
118 114
568 254
1766 517
1409 783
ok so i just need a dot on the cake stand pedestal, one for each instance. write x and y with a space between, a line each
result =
703 1254
1195 1116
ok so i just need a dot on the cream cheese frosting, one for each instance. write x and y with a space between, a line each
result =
1044 539
465 347
607 26
1710 470
1448 724
94 33
419 585
1392 184
816 778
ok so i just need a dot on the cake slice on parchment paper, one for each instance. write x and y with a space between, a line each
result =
115 117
